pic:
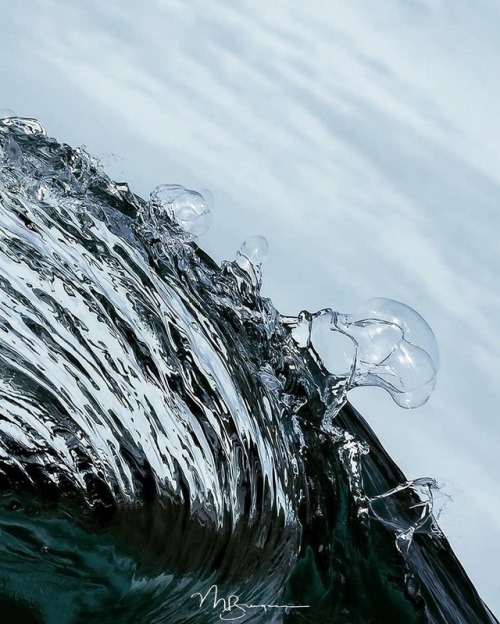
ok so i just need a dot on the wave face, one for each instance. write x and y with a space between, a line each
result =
164 451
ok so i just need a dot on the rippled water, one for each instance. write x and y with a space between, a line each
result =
171 450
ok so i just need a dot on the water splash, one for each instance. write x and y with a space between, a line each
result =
350 452
163 428
393 510
24 125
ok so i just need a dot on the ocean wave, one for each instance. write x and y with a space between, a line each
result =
172 449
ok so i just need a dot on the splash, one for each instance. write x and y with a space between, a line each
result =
392 509
164 430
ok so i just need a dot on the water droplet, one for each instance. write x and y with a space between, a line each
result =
191 210
208 197
163 195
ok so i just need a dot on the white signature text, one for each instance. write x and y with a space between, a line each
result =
231 607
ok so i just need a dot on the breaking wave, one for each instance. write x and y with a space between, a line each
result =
172 449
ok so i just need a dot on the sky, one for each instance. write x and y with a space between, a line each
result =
361 139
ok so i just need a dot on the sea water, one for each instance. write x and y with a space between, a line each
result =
174 450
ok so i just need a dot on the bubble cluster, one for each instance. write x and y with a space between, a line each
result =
388 345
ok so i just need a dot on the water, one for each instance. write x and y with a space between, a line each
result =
171 448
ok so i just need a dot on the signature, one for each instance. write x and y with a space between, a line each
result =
232 608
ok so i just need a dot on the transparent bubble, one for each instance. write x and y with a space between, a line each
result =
165 194
256 249
398 317
191 210
252 253
208 197
193 213
395 349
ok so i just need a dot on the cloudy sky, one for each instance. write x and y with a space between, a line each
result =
360 138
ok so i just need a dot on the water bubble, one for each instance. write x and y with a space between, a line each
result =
191 210
252 253
208 197
250 257
165 194
255 249
394 348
